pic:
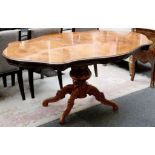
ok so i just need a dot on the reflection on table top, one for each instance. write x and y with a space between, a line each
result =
69 47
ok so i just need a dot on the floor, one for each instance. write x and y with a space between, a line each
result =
138 110
30 112
136 106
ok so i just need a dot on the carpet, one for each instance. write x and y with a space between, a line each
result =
136 110
113 81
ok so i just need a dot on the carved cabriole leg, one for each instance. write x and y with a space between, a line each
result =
60 95
79 76
70 104
152 74
79 89
91 90
132 62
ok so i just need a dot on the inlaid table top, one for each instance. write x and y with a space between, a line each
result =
75 50
65 48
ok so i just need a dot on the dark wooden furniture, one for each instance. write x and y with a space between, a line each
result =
7 36
147 55
76 51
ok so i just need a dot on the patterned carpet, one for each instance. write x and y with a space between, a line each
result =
113 81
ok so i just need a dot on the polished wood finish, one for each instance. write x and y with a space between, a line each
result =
79 89
70 48
145 56
30 36
85 30
147 32
76 50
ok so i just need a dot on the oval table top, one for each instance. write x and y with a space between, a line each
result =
79 47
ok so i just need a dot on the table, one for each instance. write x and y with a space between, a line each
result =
76 51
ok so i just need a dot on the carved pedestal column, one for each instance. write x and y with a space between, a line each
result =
79 89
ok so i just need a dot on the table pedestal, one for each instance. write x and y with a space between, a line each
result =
79 89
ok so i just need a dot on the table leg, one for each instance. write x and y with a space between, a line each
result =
91 90
60 95
79 89
70 105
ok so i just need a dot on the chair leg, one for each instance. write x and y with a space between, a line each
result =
20 82
95 70
60 79
31 85
4 81
132 62
13 79
152 74
41 76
